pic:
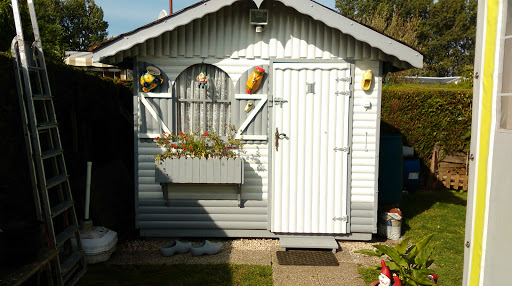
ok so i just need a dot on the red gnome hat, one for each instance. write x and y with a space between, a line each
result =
433 278
385 269
397 281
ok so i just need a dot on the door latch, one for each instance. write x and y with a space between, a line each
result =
279 136
344 149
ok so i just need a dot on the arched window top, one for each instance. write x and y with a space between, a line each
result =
204 93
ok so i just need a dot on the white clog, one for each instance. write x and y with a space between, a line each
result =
207 247
175 247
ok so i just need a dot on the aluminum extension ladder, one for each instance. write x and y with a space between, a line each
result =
50 181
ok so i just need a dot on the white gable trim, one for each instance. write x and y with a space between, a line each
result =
307 7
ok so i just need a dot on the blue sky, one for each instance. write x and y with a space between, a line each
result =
126 15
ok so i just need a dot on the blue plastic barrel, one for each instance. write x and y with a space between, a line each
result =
411 174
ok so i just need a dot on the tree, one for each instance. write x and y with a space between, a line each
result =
48 19
83 24
449 38
443 30
63 25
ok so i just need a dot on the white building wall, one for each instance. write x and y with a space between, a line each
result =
235 49
365 149
228 34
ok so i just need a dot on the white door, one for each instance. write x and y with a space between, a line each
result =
310 147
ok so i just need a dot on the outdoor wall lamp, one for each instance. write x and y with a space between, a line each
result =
258 18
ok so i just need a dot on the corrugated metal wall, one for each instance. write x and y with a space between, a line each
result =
236 49
365 131
199 206
228 34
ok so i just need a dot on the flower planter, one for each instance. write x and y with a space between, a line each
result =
200 171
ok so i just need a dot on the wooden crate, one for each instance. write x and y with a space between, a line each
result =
452 170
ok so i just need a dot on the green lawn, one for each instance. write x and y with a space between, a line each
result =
443 213
180 274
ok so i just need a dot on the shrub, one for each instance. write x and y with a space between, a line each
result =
426 116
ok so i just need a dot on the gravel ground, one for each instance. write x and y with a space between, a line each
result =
147 251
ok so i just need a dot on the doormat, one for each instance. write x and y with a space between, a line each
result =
307 257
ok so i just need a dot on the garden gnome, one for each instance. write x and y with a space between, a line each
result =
433 278
397 280
202 80
385 275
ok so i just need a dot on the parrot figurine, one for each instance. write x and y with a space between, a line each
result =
254 81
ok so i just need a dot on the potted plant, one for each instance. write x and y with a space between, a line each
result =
199 158
409 264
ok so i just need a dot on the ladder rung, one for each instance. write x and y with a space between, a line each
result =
41 97
70 261
34 68
46 125
51 153
73 279
58 209
66 234
52 182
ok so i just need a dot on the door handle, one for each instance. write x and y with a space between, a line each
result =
279 136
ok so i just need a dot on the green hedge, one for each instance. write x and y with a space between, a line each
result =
428 115
94 116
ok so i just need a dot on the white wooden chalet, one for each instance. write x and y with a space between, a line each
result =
319 176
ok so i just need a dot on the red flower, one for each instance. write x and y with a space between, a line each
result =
206 134
185 149
227 148
166 141
181 133
157 138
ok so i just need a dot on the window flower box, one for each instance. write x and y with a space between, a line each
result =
200 171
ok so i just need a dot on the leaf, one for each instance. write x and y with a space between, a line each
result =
422 243
393 254
402 246
416 248
421 280
392 266
368 252
423 256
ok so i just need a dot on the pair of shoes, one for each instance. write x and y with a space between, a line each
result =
178 247
207 247
175 247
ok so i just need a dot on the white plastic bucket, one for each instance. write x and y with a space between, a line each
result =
391 225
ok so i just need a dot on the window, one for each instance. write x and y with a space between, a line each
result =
204 108
505 120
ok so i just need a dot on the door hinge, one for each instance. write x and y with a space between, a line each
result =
344 79
342 218
344 149
342 93
279 100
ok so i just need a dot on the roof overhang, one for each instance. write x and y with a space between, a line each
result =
317 11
